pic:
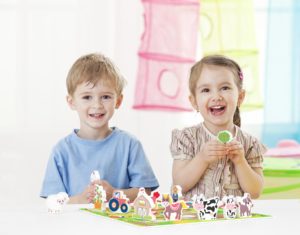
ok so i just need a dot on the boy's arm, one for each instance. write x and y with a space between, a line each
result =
131 193
85 197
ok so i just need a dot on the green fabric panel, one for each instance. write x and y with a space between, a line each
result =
284 163
281 189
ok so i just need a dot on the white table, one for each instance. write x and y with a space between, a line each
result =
35 220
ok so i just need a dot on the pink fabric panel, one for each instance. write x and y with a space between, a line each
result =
162 86
170 29
167 52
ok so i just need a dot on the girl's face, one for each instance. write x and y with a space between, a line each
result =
95 105
216 97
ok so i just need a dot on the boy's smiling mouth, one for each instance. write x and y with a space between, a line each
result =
97 115
217 110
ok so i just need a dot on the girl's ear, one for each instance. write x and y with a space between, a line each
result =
119 101
241 97
193 102
70 102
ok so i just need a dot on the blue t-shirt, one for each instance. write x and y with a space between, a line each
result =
119 158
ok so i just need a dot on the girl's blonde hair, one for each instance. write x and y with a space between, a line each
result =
217 60
91 68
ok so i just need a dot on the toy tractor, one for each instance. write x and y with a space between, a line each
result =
119 201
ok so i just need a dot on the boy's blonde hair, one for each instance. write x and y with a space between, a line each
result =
223 61
94 67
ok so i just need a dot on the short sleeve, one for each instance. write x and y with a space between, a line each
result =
139 169
181 147
254 154
53 182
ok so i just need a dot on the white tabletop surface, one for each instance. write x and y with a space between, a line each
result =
28 219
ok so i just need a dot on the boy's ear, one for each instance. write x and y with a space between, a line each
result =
193 102
119 101
70 102
241 97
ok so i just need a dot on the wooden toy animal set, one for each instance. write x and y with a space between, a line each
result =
160 209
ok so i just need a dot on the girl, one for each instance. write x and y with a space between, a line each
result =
201 163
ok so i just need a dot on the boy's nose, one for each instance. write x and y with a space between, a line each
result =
98 103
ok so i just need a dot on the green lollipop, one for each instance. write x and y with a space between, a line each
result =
224 136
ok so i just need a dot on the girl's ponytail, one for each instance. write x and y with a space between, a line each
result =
237 117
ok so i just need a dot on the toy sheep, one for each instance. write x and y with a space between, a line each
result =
55 202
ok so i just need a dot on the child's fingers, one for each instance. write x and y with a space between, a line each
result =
95 182
218 152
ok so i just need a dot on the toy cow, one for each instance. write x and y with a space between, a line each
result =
230 207
207 208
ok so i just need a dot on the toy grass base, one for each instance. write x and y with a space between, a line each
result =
189 216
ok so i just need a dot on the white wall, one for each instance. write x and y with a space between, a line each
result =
40 39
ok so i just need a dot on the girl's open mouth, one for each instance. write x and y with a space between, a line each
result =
217 110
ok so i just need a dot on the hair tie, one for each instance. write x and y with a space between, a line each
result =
241 75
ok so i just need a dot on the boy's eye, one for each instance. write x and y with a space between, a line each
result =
204 90
87 97
106 97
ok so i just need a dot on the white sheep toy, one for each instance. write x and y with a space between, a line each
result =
55 202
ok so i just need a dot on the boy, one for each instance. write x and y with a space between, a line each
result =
95 91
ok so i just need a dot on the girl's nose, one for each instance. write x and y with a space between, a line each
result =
217 97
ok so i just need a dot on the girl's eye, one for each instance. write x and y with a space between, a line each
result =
204 90
225 88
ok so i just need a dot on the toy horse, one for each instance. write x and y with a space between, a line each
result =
171 207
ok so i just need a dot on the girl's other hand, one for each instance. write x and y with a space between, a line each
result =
236 152
212 151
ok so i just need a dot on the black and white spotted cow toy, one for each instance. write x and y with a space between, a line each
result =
207 208
230 207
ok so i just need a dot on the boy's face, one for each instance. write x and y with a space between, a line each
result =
95 105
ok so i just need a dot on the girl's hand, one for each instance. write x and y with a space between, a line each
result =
106 186
236 152
212 151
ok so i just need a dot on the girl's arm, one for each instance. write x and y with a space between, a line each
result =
251 180
187 173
